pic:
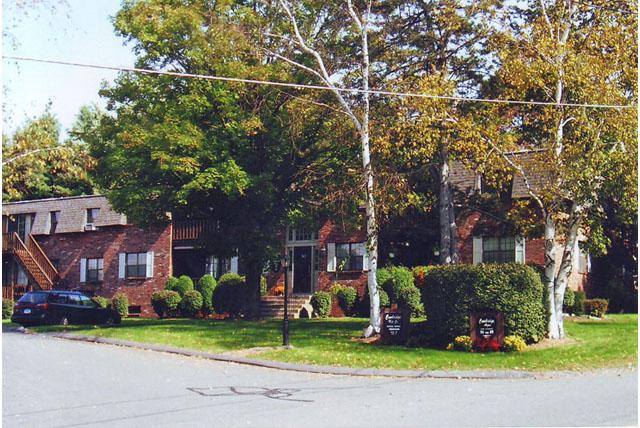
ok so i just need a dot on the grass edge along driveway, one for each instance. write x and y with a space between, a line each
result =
611 342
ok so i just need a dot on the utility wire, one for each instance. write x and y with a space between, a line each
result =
317 87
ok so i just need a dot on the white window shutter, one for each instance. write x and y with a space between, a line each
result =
520 250
83 270
234 264
365 255
150 264
121 265
477 250
331 257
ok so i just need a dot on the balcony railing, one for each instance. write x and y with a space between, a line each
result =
189 230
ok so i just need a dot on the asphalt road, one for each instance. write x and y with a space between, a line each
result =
49 382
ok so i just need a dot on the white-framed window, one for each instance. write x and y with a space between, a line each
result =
498 249
347 257
95 270
92 215
301 235
135 265
217 267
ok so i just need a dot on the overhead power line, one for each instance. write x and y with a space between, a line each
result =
316 87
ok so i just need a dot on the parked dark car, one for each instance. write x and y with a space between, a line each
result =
60 307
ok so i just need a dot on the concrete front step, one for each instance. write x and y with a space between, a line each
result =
273 306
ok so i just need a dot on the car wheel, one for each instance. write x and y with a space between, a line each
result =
63 321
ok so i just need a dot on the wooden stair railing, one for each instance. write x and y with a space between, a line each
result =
32 258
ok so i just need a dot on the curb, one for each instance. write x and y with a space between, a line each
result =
305 368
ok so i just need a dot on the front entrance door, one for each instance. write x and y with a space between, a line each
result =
302 270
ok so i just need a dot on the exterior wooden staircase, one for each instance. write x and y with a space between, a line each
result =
299 306
34 260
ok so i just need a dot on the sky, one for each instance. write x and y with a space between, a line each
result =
79 31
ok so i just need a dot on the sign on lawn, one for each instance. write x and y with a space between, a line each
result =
395 325
487 330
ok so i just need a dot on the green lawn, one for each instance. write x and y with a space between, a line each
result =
608 343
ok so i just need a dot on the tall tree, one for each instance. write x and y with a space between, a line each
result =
565 51
222 151
37 165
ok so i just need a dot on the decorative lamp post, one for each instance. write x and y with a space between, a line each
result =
284 261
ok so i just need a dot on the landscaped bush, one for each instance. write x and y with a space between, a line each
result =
191 303
363 306
347 297
205 287
569 300
398 282
120 303
171 283
419 275
457 290
230 294
513 344
461 343
183 285
7 308
102 302
596 307
321 302
578 306
165 303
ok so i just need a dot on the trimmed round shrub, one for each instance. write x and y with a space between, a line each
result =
461 343
191 303
347 297
7 308
321 302
363 306
457 290
569 300
205 287
165 303
102 302
410 298
578 306
230 294
596 307
171 283
185 283
513 344
120 302
398 282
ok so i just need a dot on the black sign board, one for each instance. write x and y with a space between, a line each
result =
487 327
487 330
395 326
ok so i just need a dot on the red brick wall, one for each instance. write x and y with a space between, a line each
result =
107 243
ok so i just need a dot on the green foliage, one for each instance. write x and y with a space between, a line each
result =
363 309
578 307
102 302
347 297
165 303
263 286
184 284
206 285
7 308
191 303
321 302
457 290
569 300
398 282
36 165
596 307
229 295
513 344
461 343
419 275
120 302
171 284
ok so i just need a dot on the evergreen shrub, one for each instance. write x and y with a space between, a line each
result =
165 303
171 283
455 291
596 307
321 302
184 284
191 303
230 294
102 302
569 300
120 302
362 308
205 287
347 297
7 308
398 283
578 306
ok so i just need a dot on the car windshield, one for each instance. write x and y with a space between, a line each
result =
33 298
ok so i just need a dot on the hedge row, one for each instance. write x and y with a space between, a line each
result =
453 292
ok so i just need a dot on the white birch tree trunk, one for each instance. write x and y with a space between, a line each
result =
448 229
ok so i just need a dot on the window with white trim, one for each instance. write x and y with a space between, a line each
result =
498 249
350 256
136 265
301 235
95 270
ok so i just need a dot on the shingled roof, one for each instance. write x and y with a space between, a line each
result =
467 180
73 211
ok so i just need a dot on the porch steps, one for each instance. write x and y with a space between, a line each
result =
273 306
31 256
